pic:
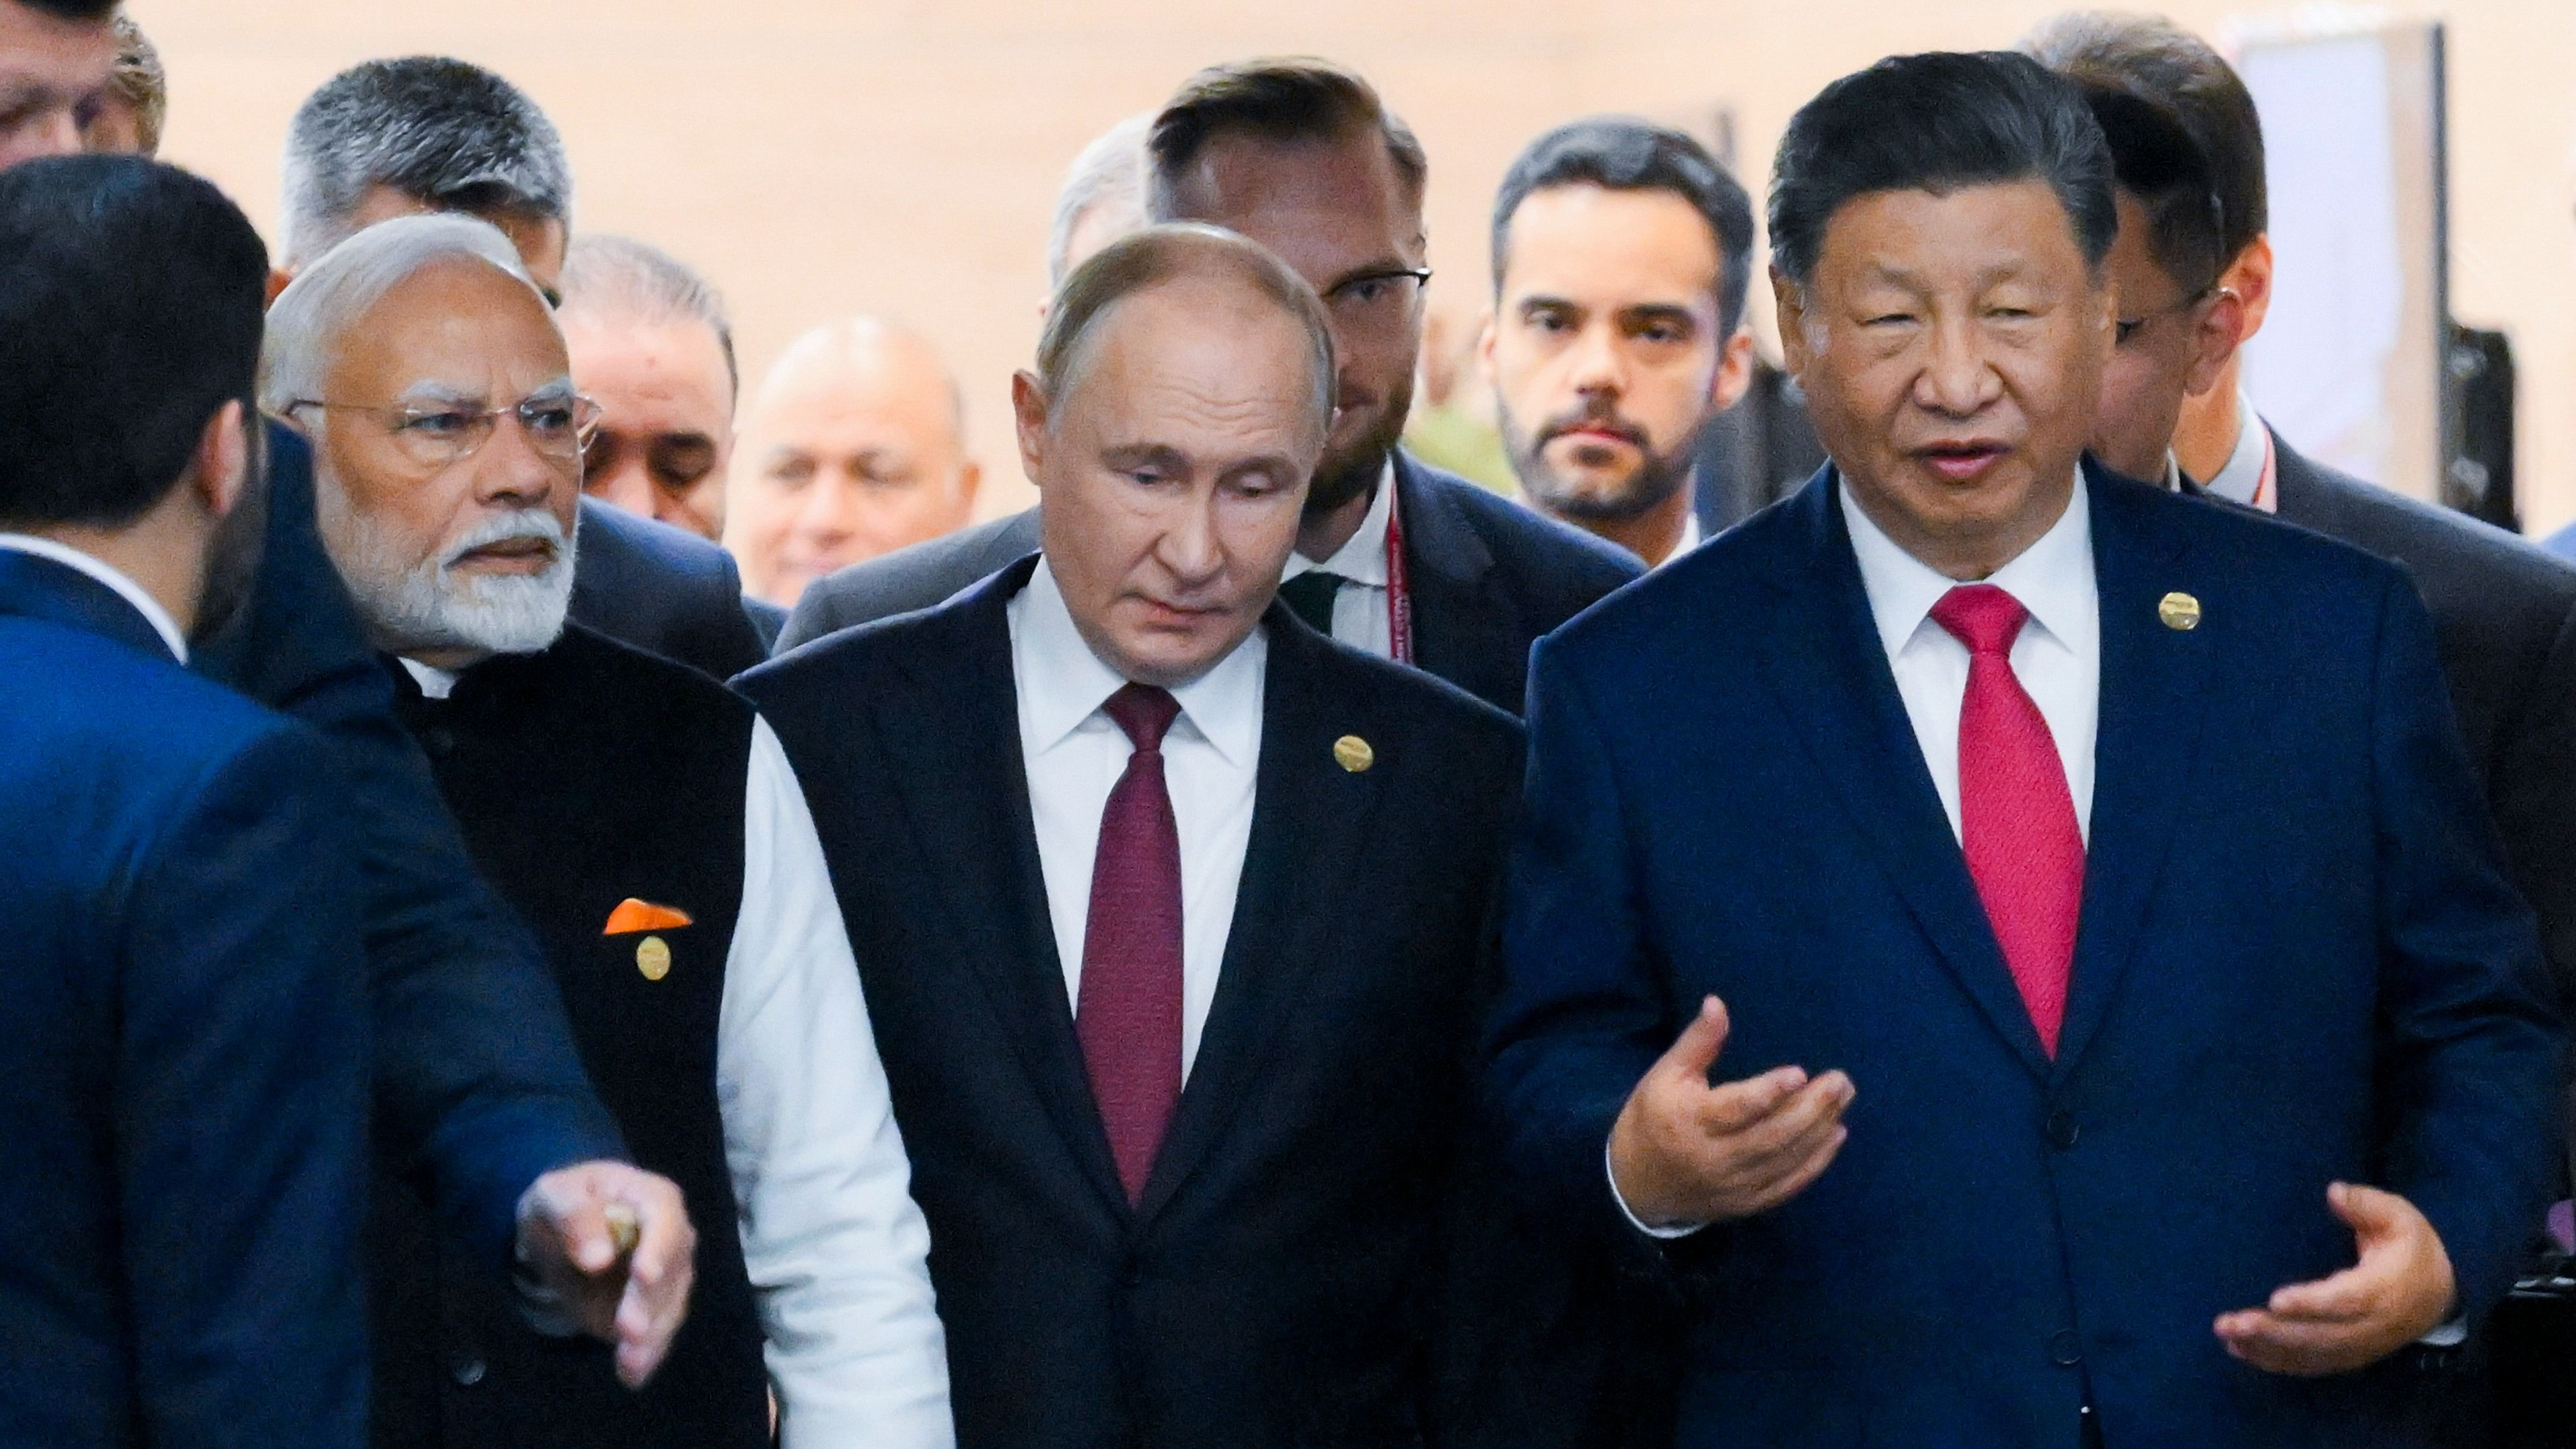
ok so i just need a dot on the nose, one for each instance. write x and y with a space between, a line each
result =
1189 545
627 485
827 515
1958 379
1596 367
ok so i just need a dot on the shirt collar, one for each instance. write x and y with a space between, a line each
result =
434 682
1689 540
1062 684
1363 559
2243 474
2053 578
106 573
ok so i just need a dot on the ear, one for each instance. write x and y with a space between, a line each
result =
1029 414
2250 278
1789 304
219 469
2215 340
1734 371
1485 336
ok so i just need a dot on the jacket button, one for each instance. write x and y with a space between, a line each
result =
467 1371
438 741
2065 1349
2062 1130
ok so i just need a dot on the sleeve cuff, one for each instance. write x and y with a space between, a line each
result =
1668 1233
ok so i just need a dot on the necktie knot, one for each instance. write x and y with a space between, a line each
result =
1981 616
1145 713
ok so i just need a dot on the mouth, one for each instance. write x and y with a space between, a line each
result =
1962 462
507 556
1161 615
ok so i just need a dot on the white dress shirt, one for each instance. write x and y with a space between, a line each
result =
1075 753
2057 657
835 1247
1691 537
2245 476
1362 616
126 588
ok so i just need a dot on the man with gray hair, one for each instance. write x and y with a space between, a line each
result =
645 822
428 134
1115 819
651 343
1103 197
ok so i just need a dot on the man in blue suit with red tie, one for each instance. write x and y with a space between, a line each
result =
2022 949
184 1037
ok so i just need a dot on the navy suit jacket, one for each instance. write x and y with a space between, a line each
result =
2299 961
666 591
1488 578
477 1083
183 1048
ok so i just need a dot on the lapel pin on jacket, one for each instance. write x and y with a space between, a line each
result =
2180 611
652 954
1354 754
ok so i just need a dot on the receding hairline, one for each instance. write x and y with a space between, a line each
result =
864 342
1166 254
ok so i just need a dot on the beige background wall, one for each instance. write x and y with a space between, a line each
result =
819 157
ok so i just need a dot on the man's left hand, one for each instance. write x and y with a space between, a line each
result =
2401 1290
633 1294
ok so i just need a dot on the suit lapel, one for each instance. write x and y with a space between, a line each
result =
964 782
1828 668
1309 827
1463 627
2145 748
40 588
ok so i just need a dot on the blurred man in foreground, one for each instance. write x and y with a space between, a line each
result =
643 820
1622 251
854 446
183 1045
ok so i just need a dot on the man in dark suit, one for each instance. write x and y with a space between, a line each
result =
1898 808
2504 613
400 137
1395 558
1170 912
184 1040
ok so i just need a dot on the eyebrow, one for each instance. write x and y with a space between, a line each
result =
1137 455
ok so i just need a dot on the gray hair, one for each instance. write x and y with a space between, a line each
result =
617 276
327 298
1146 259
451 135
1109 172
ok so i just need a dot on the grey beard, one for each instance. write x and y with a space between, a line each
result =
414 604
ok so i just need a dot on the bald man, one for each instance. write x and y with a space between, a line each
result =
855 446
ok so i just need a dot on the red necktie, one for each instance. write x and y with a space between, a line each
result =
2016 819
1128 1012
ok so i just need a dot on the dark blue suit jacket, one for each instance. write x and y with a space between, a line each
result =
477 1084
2298 961
183 1048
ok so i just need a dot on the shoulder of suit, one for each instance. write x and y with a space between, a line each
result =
1535 546
921 575
2429 537
652 544
831 665
614 674
139 715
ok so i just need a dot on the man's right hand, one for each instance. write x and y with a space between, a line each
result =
1685 1153
634 1294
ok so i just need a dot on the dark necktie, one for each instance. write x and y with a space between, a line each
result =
1311 596
2016 816
1128 1011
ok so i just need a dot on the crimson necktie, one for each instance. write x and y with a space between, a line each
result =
2016 818
1128 1011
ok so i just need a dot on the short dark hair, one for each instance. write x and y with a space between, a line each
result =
1290 99
85 11
2159 164
1143 260
2156 60
130 301
1622 153
451 135
1938 122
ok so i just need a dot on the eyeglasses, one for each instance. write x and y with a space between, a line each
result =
439 437
1376 298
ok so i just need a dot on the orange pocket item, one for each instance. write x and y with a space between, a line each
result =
634 915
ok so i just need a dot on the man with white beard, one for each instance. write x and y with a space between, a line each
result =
646 822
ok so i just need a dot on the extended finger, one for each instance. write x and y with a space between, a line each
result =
2343 1297
1695 1050
579 1220
1734 1106
2292 1346
1803 1176
1798 1122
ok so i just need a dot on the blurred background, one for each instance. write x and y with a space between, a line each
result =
818 158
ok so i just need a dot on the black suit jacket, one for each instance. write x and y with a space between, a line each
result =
664 590
1282 1282
476 1080
1488 577
2504 613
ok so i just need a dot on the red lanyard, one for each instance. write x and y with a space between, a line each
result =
2263 482
1399 598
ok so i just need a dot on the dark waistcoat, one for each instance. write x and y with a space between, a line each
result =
584 776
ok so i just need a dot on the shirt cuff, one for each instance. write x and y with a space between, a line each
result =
1668 1233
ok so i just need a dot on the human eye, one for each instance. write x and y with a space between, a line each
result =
2126 329
549 418
438 424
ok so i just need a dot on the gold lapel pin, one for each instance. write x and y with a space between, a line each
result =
1354 754
2179 611
653 958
